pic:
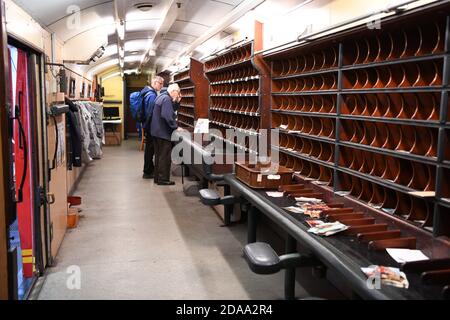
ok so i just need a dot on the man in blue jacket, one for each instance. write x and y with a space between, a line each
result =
162 126
150 93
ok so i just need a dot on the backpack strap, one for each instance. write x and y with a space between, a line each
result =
145 97
145 116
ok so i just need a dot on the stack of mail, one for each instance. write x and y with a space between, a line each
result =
294 209
327 228
308 200
314 210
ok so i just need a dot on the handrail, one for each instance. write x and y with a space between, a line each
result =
62 65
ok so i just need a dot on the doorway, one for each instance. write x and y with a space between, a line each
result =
132 83
25 225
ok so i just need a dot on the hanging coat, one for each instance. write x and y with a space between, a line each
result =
96 127
75 134
86 131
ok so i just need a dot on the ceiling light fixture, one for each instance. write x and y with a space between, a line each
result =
144 6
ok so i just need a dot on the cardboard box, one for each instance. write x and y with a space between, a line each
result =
57 97
113 139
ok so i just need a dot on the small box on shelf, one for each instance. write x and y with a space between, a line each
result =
113 139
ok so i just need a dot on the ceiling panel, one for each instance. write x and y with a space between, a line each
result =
142 25
172 45
48 12
83 46
166 53
188 28
98 16
134 45
161 60
137 35
207 12
182 38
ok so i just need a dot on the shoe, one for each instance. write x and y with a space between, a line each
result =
148 176
166 183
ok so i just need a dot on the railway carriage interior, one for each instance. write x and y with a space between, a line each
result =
225 150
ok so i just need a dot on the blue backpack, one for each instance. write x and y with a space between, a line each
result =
137 107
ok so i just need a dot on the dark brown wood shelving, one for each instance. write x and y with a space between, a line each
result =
363 113
304 111
194 89
237 79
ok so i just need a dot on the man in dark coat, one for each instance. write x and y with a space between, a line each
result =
162 126
150 93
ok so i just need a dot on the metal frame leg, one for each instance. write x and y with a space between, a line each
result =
251 224
228 209
289 278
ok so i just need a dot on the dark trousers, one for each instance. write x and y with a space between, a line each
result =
163 161
149 167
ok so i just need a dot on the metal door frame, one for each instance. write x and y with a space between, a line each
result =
6 205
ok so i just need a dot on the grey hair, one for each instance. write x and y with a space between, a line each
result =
173 87
157 79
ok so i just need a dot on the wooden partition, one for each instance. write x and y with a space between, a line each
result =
194 89
366 112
